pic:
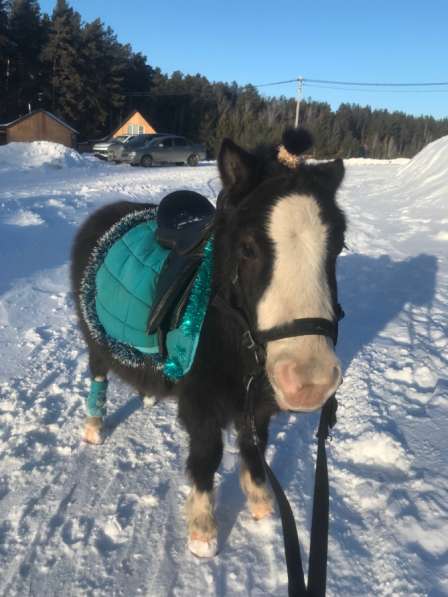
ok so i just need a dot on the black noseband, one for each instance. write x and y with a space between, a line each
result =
254 341
312 326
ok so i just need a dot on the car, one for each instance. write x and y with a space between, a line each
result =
115 150
163 149
101 148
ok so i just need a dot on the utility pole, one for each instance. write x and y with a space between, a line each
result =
299 98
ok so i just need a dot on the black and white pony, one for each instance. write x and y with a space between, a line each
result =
277 233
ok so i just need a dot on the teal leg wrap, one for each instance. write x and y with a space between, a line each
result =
96 400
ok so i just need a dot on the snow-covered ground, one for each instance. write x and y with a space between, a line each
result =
94 521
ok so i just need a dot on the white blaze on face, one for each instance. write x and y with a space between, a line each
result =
299 286
304 369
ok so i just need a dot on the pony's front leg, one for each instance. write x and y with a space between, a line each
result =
96 400
203 461
252 475
96 411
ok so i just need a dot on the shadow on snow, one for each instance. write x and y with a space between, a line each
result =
373 291
26 250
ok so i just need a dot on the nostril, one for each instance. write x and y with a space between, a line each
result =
337 376
286 374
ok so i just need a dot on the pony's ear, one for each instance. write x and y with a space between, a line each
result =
236 166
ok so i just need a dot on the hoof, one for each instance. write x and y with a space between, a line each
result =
259 499
93 431
202 531
261 510
203 548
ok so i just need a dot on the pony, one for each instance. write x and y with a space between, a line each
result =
276 233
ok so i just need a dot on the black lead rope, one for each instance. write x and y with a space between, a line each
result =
317 566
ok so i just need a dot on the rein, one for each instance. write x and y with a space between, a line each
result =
254 345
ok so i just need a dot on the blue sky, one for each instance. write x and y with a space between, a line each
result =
251 41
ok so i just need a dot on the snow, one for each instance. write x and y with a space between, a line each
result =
24 217
425 180
108 520
369 161
38 154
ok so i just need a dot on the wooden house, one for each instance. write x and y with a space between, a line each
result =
134 124
38 125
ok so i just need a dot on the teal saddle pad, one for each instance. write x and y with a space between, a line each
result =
118 290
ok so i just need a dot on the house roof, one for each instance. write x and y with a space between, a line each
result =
133 113
25 116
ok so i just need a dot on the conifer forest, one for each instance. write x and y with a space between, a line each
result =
81 72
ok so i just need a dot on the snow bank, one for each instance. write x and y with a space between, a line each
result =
37 154
374 161
431 163
425 178
24 217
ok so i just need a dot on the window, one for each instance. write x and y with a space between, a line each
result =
135 129
167 142
179 142
137 141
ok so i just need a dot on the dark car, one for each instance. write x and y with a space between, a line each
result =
162 149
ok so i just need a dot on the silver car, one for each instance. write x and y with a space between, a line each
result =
116 150
101 148
163 149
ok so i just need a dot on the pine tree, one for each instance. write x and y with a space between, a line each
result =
26 37
138 78
103 62
62 56
5 44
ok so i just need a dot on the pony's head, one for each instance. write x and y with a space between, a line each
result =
279 232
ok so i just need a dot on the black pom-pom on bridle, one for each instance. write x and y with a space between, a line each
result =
294 143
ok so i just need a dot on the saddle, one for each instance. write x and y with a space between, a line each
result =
184 224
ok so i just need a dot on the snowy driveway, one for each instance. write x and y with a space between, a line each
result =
82 521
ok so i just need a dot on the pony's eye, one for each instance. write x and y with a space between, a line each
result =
247 250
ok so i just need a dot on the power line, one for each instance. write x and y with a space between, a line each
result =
276 83
324 84
336 87
313 82
376 84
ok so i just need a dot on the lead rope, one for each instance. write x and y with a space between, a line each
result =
317 568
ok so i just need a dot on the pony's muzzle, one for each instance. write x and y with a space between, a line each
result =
304 385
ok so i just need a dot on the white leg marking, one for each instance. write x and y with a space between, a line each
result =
148 401
259 498
201 523
93 430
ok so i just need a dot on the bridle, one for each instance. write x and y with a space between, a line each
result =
253 343
254 340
